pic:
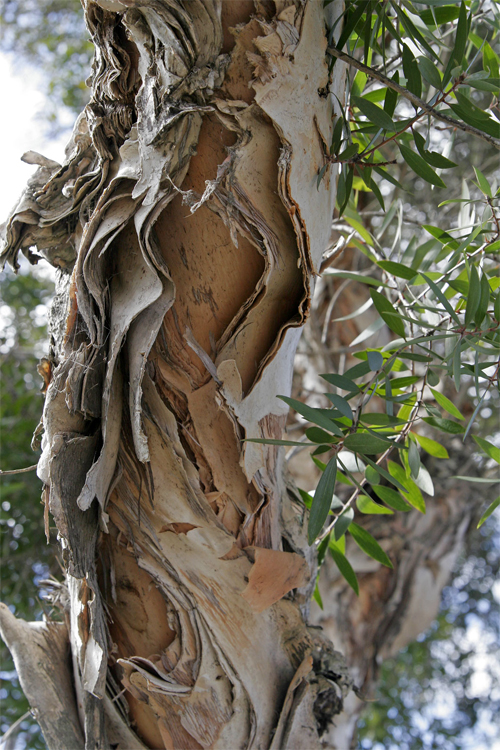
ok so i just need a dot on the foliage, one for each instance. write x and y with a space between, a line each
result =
447 682
51 35
26 558
439 293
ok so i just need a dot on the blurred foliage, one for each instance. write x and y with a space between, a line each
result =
443 690
51 36
26 558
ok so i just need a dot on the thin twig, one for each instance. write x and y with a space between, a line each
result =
415 100
13 729
18 471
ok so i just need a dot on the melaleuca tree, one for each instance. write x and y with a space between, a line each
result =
161 421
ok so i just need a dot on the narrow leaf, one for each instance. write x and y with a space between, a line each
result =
397 269
374 113
312 415
368 544
369 507
343 522
317 435
432 447
474 295
342 405
362 442
491 450
413 459
322 500
345 569
420 166
446 404
484 301
388 313
412 493
429 72
489 511
392 498
439 294
445 425
345 384
375 361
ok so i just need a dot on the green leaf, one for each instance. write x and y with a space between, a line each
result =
306 497
368 544
371 475
337 135
317 435
317 596
412 493
490 84
411 72
468 114
413 459
388 313
420 166
445 425
375 360
484 301
440 15
432 447
397 269
374 113
369 507
483 182
439 294
432 157
343 522
489 511
391 97
322 500
345 569
491 61
429 72
496 308
363 442
383 473
477 480
361 278
491 450
446 404
461 35
342 405
348 178
340 381
392 498
358 371
312 415
474 295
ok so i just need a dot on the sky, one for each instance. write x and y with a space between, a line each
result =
22 129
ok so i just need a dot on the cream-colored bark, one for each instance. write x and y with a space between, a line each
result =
187 226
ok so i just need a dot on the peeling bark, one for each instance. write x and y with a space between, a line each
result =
187 225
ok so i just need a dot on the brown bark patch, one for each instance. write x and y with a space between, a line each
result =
273 574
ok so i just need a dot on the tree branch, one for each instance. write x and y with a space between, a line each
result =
17 471
415 100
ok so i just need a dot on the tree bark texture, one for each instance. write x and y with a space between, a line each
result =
187 226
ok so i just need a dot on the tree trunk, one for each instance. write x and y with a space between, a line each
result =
187 225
